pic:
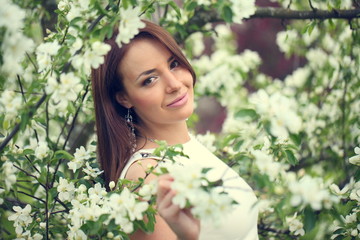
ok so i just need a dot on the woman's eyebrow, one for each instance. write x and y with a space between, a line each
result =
147 72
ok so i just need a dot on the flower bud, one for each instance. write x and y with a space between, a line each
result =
111 185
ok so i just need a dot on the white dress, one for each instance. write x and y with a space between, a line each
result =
240 224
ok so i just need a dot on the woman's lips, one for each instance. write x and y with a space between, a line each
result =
179 101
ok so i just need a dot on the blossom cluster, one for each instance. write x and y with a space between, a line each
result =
207 200
90 204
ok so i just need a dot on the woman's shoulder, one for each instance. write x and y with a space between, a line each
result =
138 165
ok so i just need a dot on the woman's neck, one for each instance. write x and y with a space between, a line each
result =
172 134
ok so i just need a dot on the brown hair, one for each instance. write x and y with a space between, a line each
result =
113 145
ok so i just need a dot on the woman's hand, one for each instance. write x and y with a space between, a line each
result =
181 221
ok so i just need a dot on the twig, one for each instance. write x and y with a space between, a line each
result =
343 118
60 211
47 204
47 120
29 174
17 91
289 5
32 62
17 126
62 204
70 131
76 115
148 6
356 3
29 195
31 163
21 88
311 6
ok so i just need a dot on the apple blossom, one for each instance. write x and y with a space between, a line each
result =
129 25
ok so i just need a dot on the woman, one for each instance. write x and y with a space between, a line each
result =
144 91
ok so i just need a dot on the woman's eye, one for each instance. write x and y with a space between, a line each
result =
174 64
148 81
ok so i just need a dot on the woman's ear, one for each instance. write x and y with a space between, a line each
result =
123 100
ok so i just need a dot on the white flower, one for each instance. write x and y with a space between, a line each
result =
63 4
44 53
298 77
125 204
49 48
95 56
91 172
11 103
21 218
207 140
242 9
267 165
129 25
11 16
317 58
74 12
9 171
265 205
295 226
286 40
335 189
148 190
204 2
351 218
66 189
96 193
355 192
64 91
355 159
41 150
197 43
78 161
84 4
14 47
280 110
211 206
310 191
188 184
76 234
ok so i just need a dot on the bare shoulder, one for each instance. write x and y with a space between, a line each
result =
139 168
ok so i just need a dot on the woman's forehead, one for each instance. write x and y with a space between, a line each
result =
143 54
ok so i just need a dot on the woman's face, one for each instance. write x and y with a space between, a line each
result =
157 86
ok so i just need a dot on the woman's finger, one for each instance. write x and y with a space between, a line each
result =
166 201
164 186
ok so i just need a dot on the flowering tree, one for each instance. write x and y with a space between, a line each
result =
295 140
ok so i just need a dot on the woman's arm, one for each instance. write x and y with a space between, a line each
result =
172 223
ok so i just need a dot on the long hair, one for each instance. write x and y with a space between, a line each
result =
113 146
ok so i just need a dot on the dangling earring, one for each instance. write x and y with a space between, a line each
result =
129 121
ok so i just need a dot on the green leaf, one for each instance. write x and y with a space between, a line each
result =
339 231
175 7
290 157
229 138
62 154
190 6
296 139
247 113
227 14
309 219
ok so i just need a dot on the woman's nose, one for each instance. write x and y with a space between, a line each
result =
173 84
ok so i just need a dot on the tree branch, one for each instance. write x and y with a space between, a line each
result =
203 17
282 13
